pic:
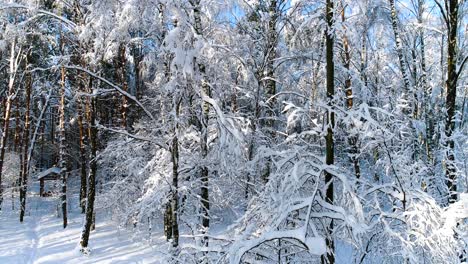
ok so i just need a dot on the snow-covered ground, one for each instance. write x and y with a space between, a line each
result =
42 239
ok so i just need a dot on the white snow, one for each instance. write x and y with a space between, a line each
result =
41 238
44 173
316 245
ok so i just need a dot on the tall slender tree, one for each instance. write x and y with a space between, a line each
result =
352 139
450 16
26 133
330 145
14 64
92 134
204 120
399 50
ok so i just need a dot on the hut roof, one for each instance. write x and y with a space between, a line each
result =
54 171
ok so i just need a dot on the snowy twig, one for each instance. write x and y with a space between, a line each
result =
160 144
129 96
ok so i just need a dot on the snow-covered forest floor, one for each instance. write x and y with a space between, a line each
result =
234 131
41 238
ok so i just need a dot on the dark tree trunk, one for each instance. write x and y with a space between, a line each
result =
17 136
451 84
269 81
27 126
352 139
174 207
92 131
122 68
83 187
329 159
204 174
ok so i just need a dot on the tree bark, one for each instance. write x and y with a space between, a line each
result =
83 187
352 139
27 126
451 85
399 49
63 149
205 91
268 78
92 133
329 159
8 104
62 135
122 62
174 224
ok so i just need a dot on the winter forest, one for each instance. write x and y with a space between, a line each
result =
233 131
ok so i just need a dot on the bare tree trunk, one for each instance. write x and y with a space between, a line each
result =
83 187
427 88
171 220
8 103
399 48
352 139
268 79
62 135
27 126
17 125
205 201
451 85
364 77
174 225
63 149
330 147
17 144
137 58
92 133
205 92
123 80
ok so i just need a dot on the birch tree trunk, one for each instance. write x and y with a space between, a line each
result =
399 49
62 136
63 149
9 100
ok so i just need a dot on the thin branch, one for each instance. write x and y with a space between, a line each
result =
443 14
40 11
162 145
461 69
129 96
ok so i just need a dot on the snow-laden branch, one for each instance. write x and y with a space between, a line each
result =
222 119
137 137
40 11
117 88
315 245
286 92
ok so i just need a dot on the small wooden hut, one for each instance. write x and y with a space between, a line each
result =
50 174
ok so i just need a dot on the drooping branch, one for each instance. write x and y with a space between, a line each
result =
315 245
71 24
116 87
123 132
